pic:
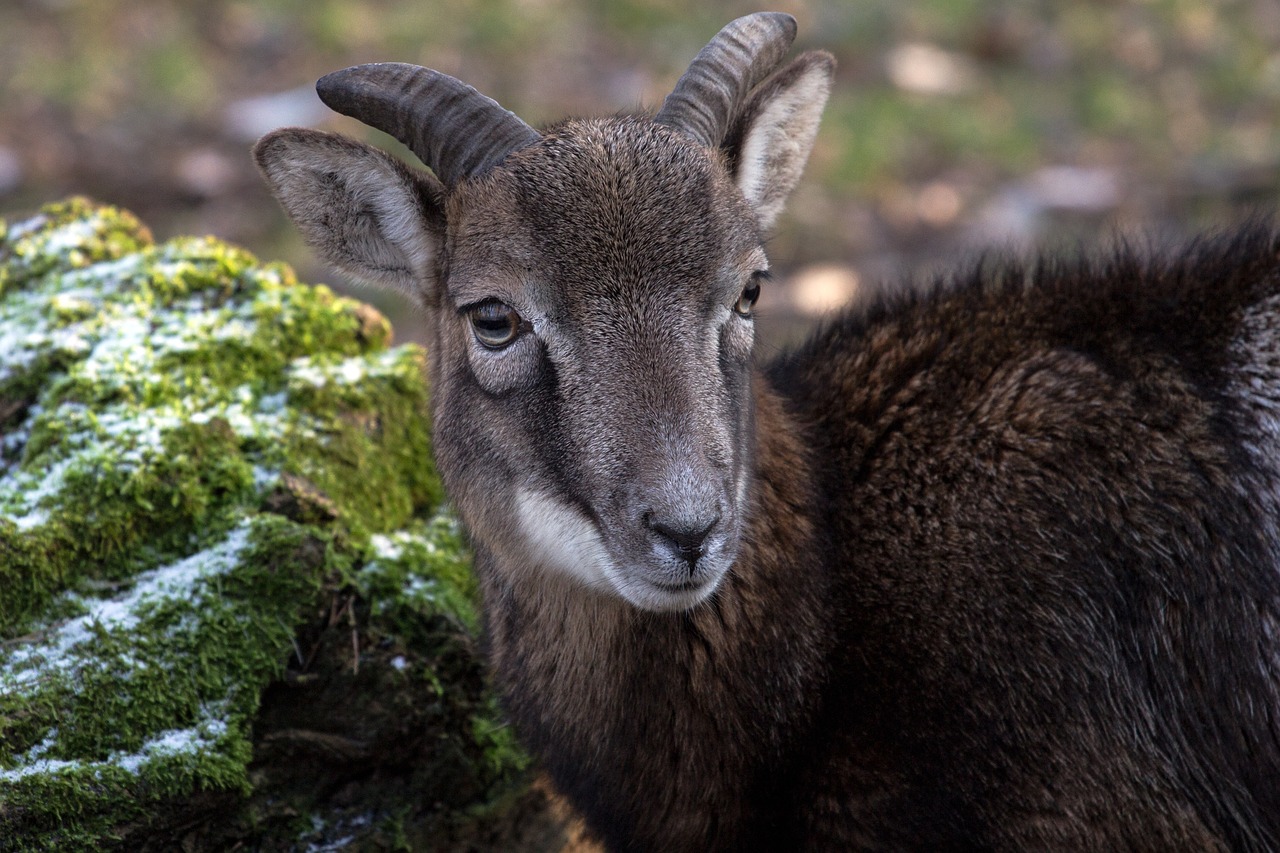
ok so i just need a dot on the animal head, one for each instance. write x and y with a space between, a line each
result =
589 289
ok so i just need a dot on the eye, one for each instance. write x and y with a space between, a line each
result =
495 324
750 294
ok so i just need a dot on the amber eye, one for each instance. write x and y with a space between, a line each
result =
750 294
495 324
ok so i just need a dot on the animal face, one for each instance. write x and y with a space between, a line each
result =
595 317
590 289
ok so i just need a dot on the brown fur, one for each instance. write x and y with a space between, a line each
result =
993 565
1060 594
1002 587
673 712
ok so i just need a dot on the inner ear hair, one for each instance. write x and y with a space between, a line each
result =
360 208
770 138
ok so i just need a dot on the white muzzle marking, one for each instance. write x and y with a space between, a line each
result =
562 540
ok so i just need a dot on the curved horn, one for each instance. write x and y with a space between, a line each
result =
452 128
724 73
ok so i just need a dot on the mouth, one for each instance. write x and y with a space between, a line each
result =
659 596
679 588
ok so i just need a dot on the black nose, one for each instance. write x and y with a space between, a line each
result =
684 536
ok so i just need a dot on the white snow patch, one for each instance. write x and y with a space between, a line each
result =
28 665
35 518
385 547
349 371
264 478
72 235
173 742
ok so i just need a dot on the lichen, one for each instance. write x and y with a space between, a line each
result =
200 458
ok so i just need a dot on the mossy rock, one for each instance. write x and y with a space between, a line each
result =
233 611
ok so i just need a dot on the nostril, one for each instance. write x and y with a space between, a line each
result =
685 537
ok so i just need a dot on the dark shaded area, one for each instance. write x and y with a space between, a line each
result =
350 735
355 733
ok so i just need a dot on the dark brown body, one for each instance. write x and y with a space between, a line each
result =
1009 582
988 566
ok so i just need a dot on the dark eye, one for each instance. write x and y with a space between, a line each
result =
496 324
750 294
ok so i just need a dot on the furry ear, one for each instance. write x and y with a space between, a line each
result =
771 137
359 208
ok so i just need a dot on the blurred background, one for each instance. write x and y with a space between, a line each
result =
955 125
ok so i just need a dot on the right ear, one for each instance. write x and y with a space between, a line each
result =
359 208
770 139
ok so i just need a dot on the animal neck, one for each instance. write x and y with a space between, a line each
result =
647 702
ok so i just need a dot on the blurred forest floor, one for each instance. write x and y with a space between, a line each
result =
955 125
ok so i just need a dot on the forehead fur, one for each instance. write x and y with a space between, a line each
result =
605 203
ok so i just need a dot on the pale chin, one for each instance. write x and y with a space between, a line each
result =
646 595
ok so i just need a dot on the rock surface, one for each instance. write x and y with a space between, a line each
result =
233 611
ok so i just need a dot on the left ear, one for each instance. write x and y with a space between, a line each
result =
359 208
771 137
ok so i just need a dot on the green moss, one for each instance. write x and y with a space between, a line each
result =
191 644
373 441
63 237
198 457
166 384
419 572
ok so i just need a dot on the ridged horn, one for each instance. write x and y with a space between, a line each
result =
724 73
452 128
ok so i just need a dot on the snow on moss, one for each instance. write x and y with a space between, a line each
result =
192 446
60 650
148 693
166 379
422 568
